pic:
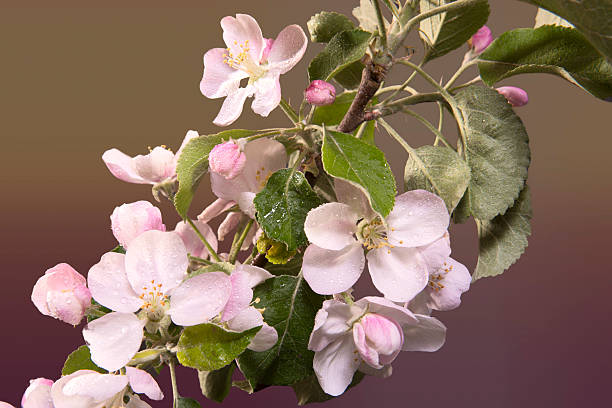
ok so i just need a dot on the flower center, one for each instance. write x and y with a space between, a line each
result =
373 234
435 280
154 300
243 61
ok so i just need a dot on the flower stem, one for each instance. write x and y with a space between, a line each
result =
429 126
289 111
382 32
175 393
212 252
237 244
457 74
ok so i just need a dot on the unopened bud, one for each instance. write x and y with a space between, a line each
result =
130 220
227 159
38 394
378 339
320 93
481 40
515 96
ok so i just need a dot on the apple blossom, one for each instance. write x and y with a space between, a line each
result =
38 394
5 405
158 166
90 389
154 265
320 93
193 243
130 220
515 96
366 335
478 43
263 157
340 231
62 293
227 159
249 55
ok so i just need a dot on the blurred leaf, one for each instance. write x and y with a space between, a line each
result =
324 25
309 390
187 403
216 385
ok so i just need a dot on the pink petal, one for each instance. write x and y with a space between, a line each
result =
156 166
288 48
328 272
230 223
38 394
200 298
418 218
428 335
331 226
122 166
61 400
481 40
331 322
515 96
436 253
383 335
5 405
143 383
240 295
156 256
398 273
193 243
219 78
232 106
254 274
98 388
217 207
132 219
264 157
336 364
227 159
66 307
387 308
267 94
109 285
236 31
113 339
369 354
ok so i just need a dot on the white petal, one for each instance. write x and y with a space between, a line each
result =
156 166
331 226
230 223
228 190
38 394
254 274
122 166
288 48
418 218
219 78
193 243
200 298
109 285
98 387
156 256
217 207
113 339
398 273
61 400
336 364
328 272
236 31
143 383
240 295
263 157
429 335
387 308
267 94
232 106
455 279
355 197
436 253
331 322
250 317
245 202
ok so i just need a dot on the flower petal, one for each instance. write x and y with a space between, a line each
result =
143 383
264 157
331 322
200 298
132 219
219 78
227 190
156 256
230 223
248 318
267 94
385 307
288 48
355 197
217 207
243 28
456 279
97 387
61 400
113 339
109 285
436 253
398 273
367 353
232 106
428 335
38 394
336 364
193 243
156 166
331 226
122 166
328 272
240 295
418 218
254 274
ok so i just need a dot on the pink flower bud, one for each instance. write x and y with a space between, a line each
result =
320 93
481 40
5 405
515 96
130 220
62 293
38 394
227 159
266 52
378 339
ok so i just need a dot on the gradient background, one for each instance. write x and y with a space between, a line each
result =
80 77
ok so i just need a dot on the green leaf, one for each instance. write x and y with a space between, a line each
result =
366 14
554 50
291 268
448 31
118 249
342 50
331 115
438 169
80 359
216 385
290 307
503 240
187 403
593 18
207 347
324 25
497 151
193 164
282 207
309 390
358 162
350 77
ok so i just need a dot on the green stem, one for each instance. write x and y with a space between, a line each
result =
440 121
457 74
347 298
471 82
397 137
289 111
212 252
438 10
201 260
361 130
382 32
175 393
237 244
401 88
429 126
392 88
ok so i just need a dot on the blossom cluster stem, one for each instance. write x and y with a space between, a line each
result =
239 240
212 252
289 111
382 32
428 125
175 393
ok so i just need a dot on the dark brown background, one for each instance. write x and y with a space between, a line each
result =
78 79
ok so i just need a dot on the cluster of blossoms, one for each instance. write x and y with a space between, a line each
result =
160 281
